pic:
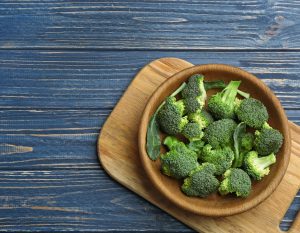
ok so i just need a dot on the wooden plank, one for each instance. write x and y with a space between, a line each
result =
96 79
51 200
86 200
154 24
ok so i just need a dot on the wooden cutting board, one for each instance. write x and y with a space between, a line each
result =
118 153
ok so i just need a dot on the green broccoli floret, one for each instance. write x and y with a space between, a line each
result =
203 118
252 112
196 146
192 131
222 104
179 161
171 142
194 94
247 141
194 87
170 116
258 167
235 181
222 158
220 133
201 181
193 104
267 140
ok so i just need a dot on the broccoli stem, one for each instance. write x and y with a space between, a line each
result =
230 92
266 161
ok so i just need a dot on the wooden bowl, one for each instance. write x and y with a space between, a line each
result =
216 205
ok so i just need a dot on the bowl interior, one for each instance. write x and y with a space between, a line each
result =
216 205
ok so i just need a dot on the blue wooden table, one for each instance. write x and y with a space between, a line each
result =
65 64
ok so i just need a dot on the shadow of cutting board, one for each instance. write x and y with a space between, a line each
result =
118 153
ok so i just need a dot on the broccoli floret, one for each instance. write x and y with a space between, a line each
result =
247 141
196 146
192 131
222 104
170 116
193 104
235 181
194 94
267 140
252 112
220 133
200 120
222 158
203 118
194 87
201 181
171 142
179 161
258 167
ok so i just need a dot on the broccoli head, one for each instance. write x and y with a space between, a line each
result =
201 181
267 140
247 141
222 104
170 116
171 142
179 161
258 167
194 87
194 94
222 158
193 104
235 181
196 146
252 112
220 133
203 118
192 131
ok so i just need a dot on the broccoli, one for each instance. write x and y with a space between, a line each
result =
193 104
170 116
192 131
220 133
203 118
252 112
247 141
194 94
235 181
171 142
201 181
267 140
179 161
196 146
194 87
222 104
222 158
258 167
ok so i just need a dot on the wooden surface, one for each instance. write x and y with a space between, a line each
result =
119 155
65 64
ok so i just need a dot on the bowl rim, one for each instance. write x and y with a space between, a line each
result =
146 161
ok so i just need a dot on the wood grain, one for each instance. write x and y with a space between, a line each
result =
124 165
154 24
97 79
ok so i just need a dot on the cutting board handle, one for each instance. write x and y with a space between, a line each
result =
295 134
